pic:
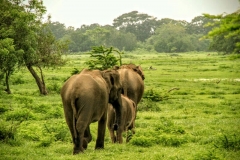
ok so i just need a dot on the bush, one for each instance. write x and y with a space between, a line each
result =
167 126
30 130
54 88
230 142
17 81
170 140
3 109
6 132
148 105
20 115
152 95
58 131
142 141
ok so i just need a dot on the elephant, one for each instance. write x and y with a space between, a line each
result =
128 119
132 79
85 97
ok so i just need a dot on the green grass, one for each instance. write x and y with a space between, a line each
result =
199 120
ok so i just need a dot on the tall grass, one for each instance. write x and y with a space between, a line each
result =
190 110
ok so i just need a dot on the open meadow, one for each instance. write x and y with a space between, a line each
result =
190 111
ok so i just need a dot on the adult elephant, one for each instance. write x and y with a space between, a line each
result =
85 98
132 79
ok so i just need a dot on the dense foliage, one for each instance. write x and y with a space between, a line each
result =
103 58
26 41
226 32
189 110
137 30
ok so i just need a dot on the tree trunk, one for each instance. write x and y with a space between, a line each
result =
7 83
39 81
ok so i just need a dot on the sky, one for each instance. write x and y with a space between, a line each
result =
85 12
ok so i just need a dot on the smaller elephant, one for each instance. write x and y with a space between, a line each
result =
127 119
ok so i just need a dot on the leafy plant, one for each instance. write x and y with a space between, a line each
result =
142 141
170 140
20 115
230 142
103 58
153 95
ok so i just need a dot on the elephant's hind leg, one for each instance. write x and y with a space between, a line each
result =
87 137
80 141
101 132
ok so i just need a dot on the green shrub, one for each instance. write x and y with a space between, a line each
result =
170 140
54 112
229 142
20 115
152 95
167 126
142 141
30 130
3 109
6 132
17 81
41 108
45 142
207 155
24 100
148 105
54 88
57 130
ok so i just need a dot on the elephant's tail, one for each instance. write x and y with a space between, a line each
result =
73 105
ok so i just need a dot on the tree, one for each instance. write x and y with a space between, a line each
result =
197 25
22 22
8 59
171 38
140 24
122 40
225 34
48 53
58 29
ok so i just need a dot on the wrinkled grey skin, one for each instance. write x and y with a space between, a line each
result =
127 123
85 98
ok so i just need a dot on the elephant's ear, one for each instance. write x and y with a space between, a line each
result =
138 69
116 67
108 79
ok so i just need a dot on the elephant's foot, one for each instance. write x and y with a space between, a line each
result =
85 143
77 150
99 146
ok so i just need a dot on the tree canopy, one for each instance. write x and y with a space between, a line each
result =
225 34
22 31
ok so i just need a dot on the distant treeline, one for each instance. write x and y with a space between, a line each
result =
137 30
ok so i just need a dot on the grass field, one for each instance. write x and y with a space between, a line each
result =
190 111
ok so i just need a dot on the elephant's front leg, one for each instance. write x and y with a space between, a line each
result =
101 132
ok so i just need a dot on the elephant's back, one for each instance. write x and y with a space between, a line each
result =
133 82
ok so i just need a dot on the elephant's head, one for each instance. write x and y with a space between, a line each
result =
137 69
112 79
